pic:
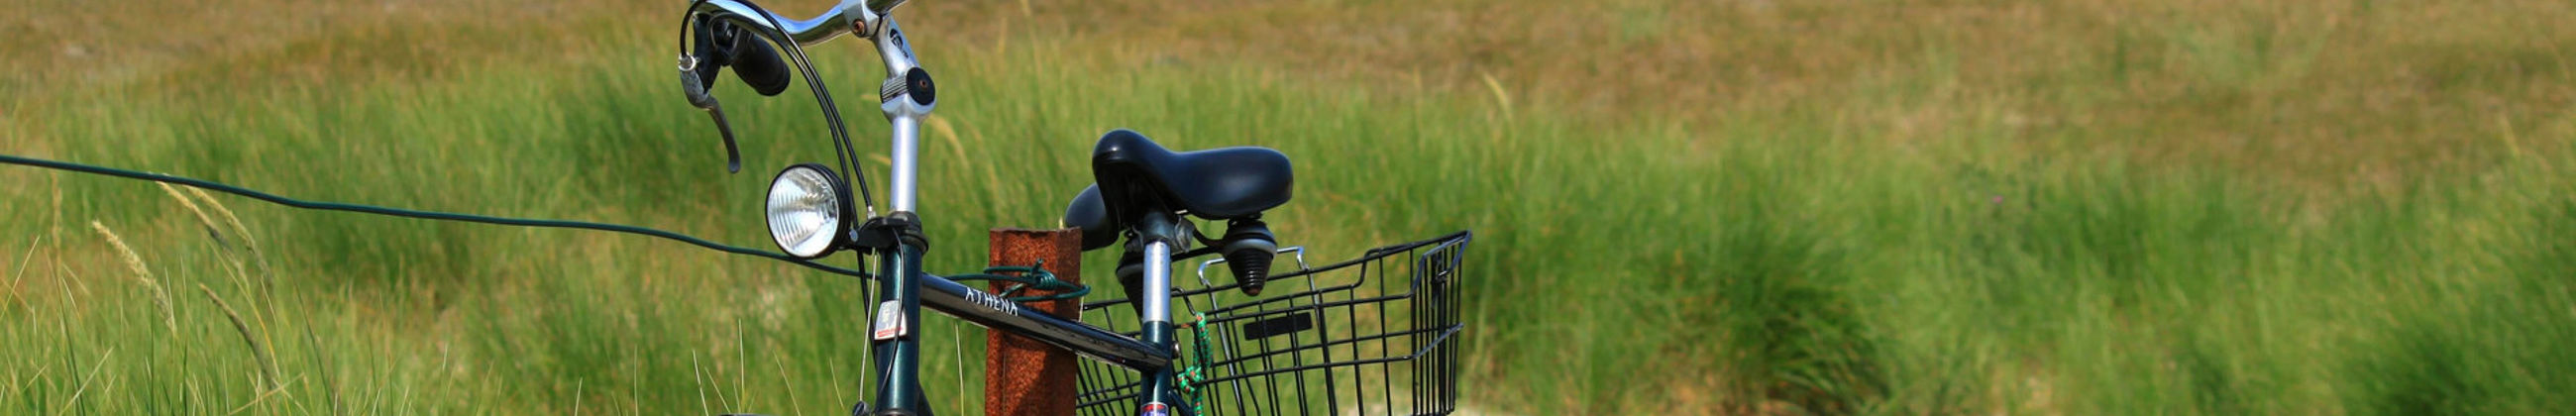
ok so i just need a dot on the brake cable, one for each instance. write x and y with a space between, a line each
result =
432 215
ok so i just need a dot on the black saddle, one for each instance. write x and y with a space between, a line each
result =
1136 176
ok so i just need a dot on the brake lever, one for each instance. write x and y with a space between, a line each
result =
698 97
733 155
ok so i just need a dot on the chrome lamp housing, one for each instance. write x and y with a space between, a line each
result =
809 211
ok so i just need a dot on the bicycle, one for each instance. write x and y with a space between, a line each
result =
1145 195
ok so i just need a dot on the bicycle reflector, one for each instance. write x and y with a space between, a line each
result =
809 210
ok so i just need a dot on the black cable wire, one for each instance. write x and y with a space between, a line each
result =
433 215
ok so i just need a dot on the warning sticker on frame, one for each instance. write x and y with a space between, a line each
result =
889 321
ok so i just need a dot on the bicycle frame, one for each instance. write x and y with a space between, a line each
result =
906 289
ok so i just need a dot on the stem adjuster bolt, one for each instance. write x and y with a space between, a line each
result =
918 82
915 82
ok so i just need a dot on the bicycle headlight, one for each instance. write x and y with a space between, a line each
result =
809 210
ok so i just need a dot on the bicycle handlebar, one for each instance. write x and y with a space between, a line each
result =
831 24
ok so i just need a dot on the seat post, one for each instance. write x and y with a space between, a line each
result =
1158 285
1162 231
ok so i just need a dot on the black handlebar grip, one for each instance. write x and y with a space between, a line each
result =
758 65
721 44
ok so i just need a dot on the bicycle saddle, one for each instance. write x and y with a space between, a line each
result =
1136 176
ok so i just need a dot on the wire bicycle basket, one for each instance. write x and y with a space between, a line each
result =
1372 335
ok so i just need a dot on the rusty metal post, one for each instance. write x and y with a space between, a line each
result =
1024 376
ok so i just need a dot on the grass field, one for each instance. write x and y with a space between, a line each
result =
1943 207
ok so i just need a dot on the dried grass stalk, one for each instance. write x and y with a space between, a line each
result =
248 241
267 367
207 221
169 315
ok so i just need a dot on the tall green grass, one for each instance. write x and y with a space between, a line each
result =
1807 258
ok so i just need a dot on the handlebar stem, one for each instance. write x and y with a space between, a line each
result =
907 134
892 46
902 113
